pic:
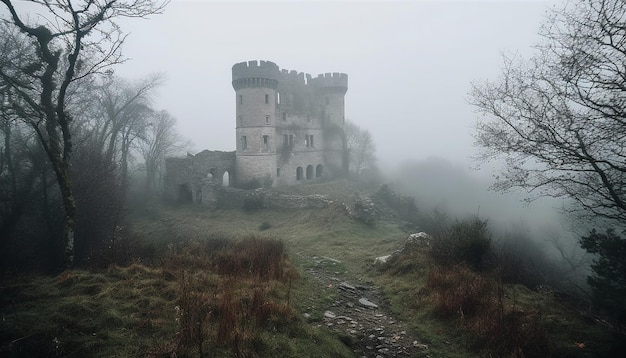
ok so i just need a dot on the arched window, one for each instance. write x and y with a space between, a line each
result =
226 179
299 173
309 172
319 170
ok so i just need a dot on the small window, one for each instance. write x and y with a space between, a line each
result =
278 97
311 141
285 140
244 143
277 172
306 140
266 142
267 98
267 119
240 99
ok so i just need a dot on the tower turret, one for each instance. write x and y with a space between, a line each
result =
331 90
255 86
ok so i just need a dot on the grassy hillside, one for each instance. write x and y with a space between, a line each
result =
234 283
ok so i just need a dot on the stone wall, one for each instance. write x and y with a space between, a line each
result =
233 198
185 177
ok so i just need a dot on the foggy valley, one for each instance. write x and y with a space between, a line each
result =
203 178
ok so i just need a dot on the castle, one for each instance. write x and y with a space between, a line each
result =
289 129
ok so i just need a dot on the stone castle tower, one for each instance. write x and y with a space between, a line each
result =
289 129
289 125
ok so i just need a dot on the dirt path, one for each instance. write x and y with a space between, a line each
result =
370 329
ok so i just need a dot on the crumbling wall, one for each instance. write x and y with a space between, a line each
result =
186 177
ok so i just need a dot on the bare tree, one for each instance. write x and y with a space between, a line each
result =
161 139
124 114
559 119
74 40
360 147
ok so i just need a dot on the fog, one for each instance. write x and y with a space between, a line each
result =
409 64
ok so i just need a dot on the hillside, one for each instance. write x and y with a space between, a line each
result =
283 283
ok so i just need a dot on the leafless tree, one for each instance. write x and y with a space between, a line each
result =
360 147
74 39
124 113
161 139
559 119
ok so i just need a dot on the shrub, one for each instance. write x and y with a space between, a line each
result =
478 302
609 279
252 204
467 241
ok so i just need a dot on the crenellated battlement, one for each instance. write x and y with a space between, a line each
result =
268 74
255 74
330 80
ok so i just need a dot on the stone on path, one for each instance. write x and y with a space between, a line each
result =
367 303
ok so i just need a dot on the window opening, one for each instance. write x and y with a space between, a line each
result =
267 119
267 98
277 172
309 172
244 143
299 173
266 142
278 97
240 99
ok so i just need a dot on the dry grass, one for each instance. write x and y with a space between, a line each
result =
492 321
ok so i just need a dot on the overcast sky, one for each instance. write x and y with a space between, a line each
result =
409 64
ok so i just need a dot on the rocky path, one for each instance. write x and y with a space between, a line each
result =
357 312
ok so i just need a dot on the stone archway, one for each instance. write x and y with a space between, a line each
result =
309 172
299 173
319 171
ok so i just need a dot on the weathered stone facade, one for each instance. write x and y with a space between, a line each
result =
186 178
289 129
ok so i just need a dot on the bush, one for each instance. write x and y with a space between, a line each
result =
480 304
609 279
467 241
252 204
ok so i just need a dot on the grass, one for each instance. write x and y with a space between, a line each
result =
206 283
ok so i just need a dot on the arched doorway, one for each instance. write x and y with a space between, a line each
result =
226 178
309 172
299 173
319 171
184 193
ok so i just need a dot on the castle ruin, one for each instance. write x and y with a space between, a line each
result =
289 129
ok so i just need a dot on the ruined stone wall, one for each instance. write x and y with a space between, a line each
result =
185 177
233 198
